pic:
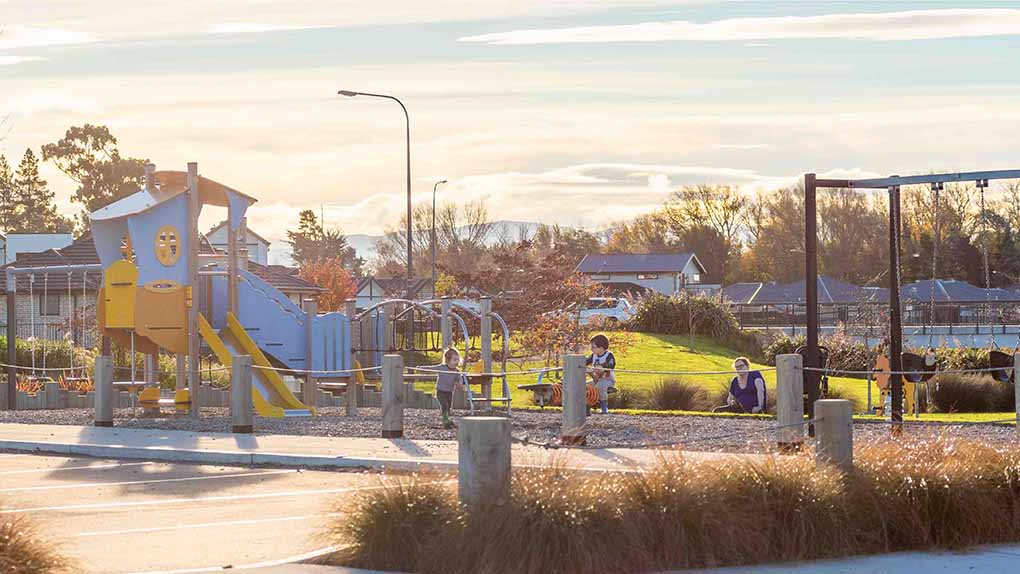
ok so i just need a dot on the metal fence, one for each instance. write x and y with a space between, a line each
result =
954 316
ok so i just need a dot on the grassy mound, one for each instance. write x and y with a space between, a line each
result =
23 551
686 514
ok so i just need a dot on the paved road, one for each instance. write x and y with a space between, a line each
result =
124 516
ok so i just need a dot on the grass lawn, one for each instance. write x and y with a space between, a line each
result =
651 352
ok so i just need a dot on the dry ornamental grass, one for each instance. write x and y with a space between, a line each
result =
23 551
685 514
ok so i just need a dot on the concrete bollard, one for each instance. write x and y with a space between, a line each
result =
103 377
575 411
483 461
790 401
393 396
241 395
1016 391
834 433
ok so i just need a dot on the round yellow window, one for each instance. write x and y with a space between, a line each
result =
168 245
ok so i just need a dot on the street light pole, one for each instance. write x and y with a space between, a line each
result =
407 119
434 187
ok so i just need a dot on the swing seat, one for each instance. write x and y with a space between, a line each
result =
1000 360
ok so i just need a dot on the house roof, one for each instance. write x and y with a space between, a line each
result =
169 184
636 262
829 291
283 278
248 231
394 286
951 290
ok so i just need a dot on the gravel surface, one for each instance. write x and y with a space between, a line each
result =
613 430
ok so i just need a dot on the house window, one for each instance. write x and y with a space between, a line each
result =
600 277
648 276
694 278
49 305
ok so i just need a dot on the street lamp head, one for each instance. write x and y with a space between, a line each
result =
441 181
347 93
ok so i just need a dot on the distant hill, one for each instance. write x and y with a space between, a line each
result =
364 245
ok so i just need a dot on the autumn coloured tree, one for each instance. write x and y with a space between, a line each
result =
330 274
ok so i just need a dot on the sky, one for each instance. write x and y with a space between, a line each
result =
578 112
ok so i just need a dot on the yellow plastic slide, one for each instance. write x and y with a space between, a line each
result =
271 396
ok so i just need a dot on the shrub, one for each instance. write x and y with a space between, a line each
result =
844 354
917 495
970 393
627 398
24 551
671 394
673 316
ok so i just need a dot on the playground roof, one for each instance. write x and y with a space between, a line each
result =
829 291
953 291
169 184
394 286
636 262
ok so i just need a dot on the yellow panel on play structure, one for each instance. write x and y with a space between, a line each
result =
119 281
121 336
162 314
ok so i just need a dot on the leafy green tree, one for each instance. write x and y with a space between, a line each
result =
34 200
89 156
311 243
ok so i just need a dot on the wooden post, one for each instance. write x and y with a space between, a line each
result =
151 371
103 379
12 338
445 328
575 410
1016 391
232 267
193 336
350 310
393 396
242 239
790 405
483 462
181 373
240 394
309 390
485 310
834 433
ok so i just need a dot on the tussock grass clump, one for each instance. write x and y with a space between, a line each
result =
971 393
684 513
23 551
674 394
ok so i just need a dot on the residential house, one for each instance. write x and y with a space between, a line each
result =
258 246
665 273
372 290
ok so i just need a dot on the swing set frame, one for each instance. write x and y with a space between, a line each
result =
892 184
12 315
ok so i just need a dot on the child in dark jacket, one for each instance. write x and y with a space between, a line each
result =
602 363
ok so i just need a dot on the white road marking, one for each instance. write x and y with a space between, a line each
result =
208 524
137 482
200 499
257 565
94 466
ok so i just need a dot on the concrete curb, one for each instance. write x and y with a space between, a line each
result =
164 454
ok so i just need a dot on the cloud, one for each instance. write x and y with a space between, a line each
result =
903 25
15 37
15 60
256 28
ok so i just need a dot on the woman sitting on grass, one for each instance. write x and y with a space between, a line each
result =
747 390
